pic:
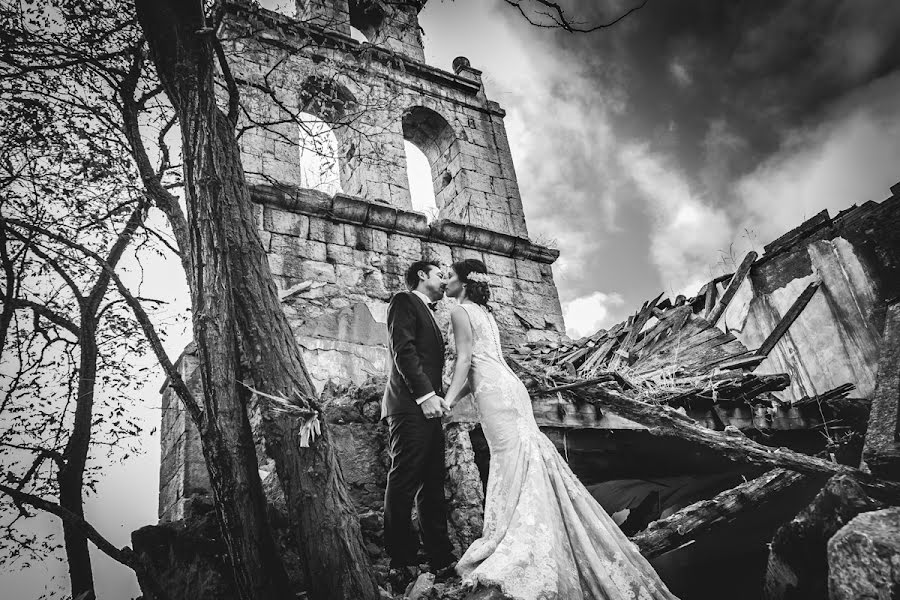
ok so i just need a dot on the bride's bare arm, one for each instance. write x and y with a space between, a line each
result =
462 332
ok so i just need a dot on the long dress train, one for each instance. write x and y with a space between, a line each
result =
544 537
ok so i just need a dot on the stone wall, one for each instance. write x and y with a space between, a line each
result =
337 259
337 262
374 98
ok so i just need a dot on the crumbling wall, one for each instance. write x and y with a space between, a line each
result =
837 337
337 259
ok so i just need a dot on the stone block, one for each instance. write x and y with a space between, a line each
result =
464 253
381 216
283 266
287 245
449 232
337 254
171 493
411 222
373 240
528 270
317 229
864 557
438 252
348 276
405 247
312 270
350 209
500 265
473 180
376 285
501 295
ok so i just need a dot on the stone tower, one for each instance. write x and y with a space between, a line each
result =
338 258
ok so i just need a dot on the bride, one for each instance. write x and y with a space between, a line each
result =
544 537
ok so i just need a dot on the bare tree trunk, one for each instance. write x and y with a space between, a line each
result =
71 473
236 309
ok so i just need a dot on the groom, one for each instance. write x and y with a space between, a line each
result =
412 407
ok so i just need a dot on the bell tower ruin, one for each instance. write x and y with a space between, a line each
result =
337 258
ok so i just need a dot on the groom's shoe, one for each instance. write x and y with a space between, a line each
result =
443 568
448 560
445 574
401 577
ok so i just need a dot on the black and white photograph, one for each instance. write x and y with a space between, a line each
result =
449 300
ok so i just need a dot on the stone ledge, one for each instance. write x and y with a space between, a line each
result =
294 28
356 211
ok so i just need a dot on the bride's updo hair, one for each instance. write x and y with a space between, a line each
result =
478 291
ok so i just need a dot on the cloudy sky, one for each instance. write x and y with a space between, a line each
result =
657 152
652 154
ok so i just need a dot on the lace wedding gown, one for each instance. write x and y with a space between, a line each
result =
545 537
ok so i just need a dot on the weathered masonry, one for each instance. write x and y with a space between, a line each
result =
337 258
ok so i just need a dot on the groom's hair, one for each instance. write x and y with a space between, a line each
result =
412 273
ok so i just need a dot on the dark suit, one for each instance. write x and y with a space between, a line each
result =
416 443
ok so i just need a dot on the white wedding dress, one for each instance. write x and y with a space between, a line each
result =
545 537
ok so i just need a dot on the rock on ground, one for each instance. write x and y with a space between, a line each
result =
864 558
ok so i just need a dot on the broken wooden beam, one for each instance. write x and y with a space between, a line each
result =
662 420
788 319
709 301
744 362
733 286
704 517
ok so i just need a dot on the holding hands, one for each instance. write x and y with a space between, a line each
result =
434 407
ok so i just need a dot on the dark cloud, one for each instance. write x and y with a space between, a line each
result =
693 69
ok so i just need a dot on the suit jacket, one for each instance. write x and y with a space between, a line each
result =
416 355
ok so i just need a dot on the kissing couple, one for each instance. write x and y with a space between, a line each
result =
545 537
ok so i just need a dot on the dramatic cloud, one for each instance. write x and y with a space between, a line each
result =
847 160
687 233
586 315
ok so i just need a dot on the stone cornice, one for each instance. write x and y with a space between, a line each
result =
395 60
356 211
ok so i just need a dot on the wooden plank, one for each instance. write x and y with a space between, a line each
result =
598 357
788 319
706 516
744 362
733 286
669 422
710 301
640 320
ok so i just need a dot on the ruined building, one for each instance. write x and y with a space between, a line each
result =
337 259
788 350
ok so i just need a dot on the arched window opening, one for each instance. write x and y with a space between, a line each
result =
367 17
421 187
430 133
327 141
319 168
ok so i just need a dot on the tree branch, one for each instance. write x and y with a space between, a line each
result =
47 313
125 556
172 373
559 19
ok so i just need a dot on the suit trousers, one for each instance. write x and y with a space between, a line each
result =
416 446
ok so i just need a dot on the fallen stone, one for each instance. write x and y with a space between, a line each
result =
864 558
421 587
